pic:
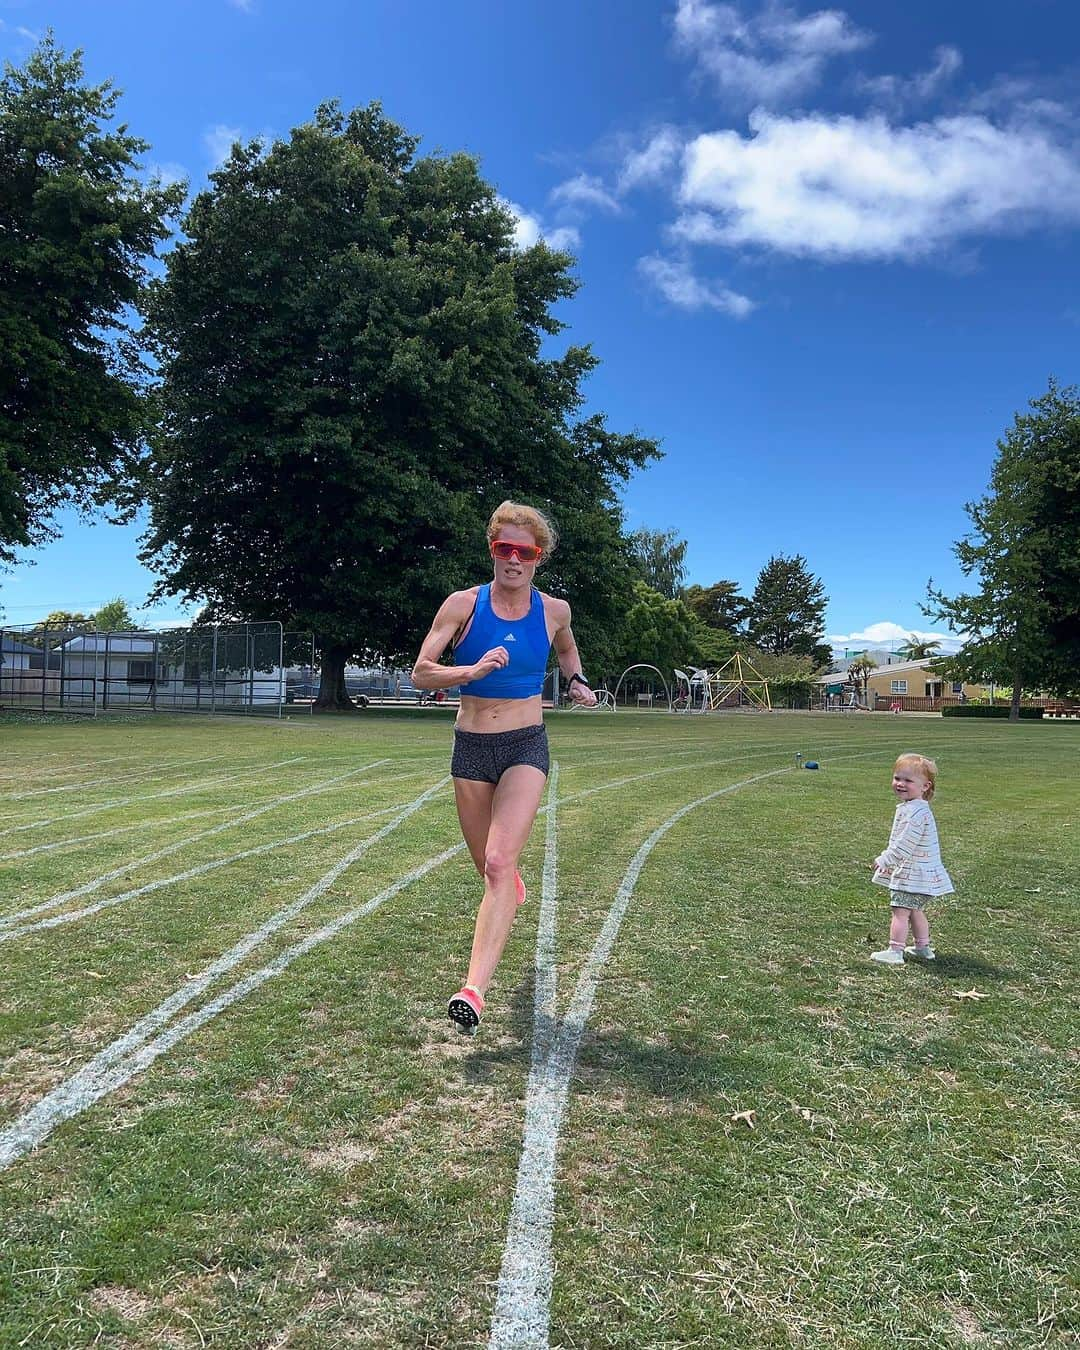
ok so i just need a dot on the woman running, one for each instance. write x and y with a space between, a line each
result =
501 634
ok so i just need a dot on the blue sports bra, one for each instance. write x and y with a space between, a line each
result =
525 639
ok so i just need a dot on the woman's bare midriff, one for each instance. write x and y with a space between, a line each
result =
499 714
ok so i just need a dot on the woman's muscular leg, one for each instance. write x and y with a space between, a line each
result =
474 799
513 809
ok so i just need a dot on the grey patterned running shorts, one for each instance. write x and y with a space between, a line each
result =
486 755
910 900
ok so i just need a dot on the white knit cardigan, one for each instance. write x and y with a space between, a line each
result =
912 860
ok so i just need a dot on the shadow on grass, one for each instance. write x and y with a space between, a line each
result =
958 966
610 1059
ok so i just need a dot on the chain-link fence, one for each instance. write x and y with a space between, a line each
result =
74 667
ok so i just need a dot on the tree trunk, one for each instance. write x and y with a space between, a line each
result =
333 696
1014 706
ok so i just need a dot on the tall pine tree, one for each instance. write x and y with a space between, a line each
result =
787 610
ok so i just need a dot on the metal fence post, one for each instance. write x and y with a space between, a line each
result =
154 667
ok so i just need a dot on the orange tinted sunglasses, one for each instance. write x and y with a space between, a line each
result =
504 550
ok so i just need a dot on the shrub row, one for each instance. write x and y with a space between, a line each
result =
985 710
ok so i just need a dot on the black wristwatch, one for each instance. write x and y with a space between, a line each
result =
578 679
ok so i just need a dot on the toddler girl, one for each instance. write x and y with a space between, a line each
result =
911 865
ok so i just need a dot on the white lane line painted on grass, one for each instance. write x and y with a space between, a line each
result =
522 1313
88 887
72 915
98 1077
546 971
114 1065
132 1052
97 782
120 829
156 823
182 791
523 1301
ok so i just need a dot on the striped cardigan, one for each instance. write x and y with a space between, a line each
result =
912 860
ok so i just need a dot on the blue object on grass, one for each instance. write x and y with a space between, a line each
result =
810 764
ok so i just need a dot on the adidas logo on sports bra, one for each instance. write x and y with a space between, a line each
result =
509 638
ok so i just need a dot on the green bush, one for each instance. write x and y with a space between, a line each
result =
985 710
790 692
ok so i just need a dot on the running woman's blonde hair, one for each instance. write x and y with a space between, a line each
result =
525 518
923 766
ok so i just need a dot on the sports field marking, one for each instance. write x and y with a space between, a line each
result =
130 1053
523 1301
156 823
522 1314
88 887
547 974
10 928
120 829
181 791
18 767
98 782
105 1071
9 934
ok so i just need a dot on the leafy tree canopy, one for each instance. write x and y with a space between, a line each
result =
354 374
713 647
660 559
719 606
1024 552
115 617
77 226
658 631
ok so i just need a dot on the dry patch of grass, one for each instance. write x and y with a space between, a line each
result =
340 1155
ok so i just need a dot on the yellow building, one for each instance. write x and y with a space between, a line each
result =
900 680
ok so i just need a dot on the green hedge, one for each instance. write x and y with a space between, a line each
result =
790 693
985 710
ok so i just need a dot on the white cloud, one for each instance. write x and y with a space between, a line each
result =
897 91
653 162
586 191
27 33
769 58
529 230
675 280
219 140
860 188
168 172
886 636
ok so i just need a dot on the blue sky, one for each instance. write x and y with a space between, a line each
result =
825 254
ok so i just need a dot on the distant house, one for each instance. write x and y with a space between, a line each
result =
17 660
901 680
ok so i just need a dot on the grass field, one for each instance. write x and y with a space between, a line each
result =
232 1112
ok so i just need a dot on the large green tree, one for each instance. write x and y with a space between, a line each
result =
1024 552
656 630
719 606
77 228
354 373
787 610
115 617
660 559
